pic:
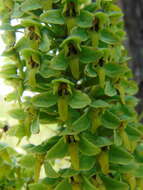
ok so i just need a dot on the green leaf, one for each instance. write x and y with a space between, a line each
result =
114 70
37 186
79 100
130 87
59 62
108 37
9 52
81 124
109 89
99 104
18 131
87 147
90 71
43 147
35 126
123 112
64 185
74 66
103 141
87 185
8 71
80 33
90 54
117 138
27 161
118 155
125 168
45 100
46 118
116 14
59 150
86 162
23 43
45 42
74 39
103 18
11 96
112 184
134 133
131 100
50 172
30 22
77 125
17 114
50 182
53 17
85 19
68 172
62 80
28 52
46 72
29 5
110 120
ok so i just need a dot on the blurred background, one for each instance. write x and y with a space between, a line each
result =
133 11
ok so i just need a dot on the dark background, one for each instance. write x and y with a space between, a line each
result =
133 11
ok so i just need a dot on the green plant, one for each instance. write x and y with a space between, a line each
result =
70 56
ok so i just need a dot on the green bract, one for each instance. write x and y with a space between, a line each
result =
70 56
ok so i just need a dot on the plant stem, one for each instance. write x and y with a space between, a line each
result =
39 163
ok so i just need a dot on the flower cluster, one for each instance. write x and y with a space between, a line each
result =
70 55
